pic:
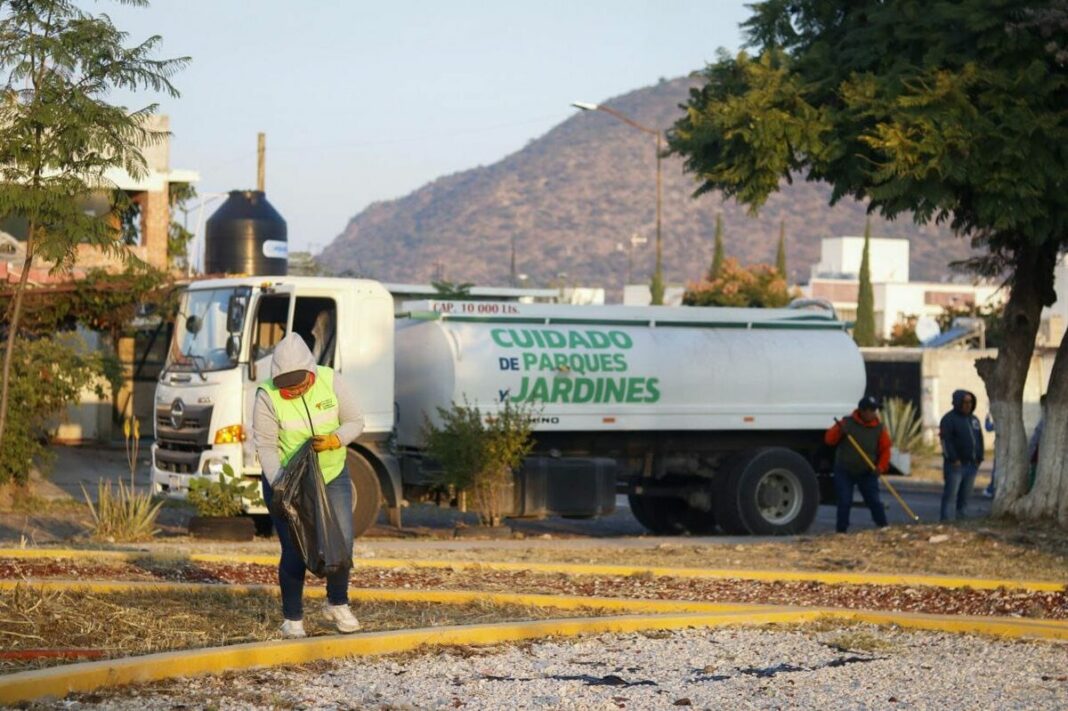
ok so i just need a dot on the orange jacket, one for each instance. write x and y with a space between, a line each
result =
834 435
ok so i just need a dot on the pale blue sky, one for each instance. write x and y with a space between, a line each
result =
368 101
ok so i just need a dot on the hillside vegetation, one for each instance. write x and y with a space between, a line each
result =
572 197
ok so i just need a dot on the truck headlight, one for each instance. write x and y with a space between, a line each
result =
230 435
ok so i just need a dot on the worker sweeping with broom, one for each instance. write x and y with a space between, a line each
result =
861 440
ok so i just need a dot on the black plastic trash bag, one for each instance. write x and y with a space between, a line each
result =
299 499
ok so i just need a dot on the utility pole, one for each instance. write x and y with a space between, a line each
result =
261 150
656 287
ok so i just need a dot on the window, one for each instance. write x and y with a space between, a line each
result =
271 316
315 319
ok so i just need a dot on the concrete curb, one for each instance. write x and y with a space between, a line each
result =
828 578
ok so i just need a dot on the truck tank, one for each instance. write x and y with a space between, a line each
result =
611 369
708 418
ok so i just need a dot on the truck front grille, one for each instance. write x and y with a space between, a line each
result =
181 436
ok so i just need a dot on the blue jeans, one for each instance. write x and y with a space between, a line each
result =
291 568
959 482
868 483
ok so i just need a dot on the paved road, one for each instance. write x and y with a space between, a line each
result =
76 466
922 497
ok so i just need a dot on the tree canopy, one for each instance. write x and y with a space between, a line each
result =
948 111
864 328
951 112
60 134
718 252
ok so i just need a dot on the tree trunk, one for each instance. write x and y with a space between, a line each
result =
1049 496
1005 376
13 329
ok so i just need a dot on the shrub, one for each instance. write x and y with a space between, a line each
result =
759 285
48 374
479 454
224 495
124 515
903 424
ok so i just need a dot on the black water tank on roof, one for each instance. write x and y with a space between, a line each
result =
246 236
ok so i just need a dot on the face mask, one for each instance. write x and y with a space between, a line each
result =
297 390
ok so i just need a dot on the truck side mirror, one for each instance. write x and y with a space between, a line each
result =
235 311
233 346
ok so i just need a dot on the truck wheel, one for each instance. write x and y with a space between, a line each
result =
366 493
648 515
670 517
769 492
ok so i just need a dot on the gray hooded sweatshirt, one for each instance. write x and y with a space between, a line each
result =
291 354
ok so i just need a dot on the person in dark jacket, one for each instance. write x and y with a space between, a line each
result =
850 469
962 452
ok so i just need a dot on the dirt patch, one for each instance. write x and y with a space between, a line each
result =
38 624
964 601
982 549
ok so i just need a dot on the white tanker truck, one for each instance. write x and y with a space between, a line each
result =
703 417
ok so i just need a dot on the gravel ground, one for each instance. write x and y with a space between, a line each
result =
859 667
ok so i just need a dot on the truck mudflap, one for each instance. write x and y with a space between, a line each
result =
565 486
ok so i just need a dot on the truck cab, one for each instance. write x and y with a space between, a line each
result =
224 337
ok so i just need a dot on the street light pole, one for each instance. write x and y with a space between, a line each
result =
635 240
657 287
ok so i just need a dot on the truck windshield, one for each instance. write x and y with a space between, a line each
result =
207 334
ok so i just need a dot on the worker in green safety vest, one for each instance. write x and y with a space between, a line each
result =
303 401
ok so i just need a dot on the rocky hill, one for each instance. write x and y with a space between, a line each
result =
572 198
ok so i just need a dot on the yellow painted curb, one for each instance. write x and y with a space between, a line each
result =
1012 627
828 578
445 597
60 681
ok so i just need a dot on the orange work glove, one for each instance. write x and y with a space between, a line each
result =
322 443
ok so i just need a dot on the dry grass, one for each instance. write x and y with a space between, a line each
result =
132 623
980 548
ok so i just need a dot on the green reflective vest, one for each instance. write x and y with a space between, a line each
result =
294 428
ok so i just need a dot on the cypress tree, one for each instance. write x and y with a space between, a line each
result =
780 257
717 254
864 328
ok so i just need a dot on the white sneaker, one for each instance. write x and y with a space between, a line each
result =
342 618
293 629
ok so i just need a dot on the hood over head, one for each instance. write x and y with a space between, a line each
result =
958 400
291 355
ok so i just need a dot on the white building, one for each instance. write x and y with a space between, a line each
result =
840 259
897 299
640 295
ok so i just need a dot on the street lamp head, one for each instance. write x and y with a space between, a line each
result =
585 105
